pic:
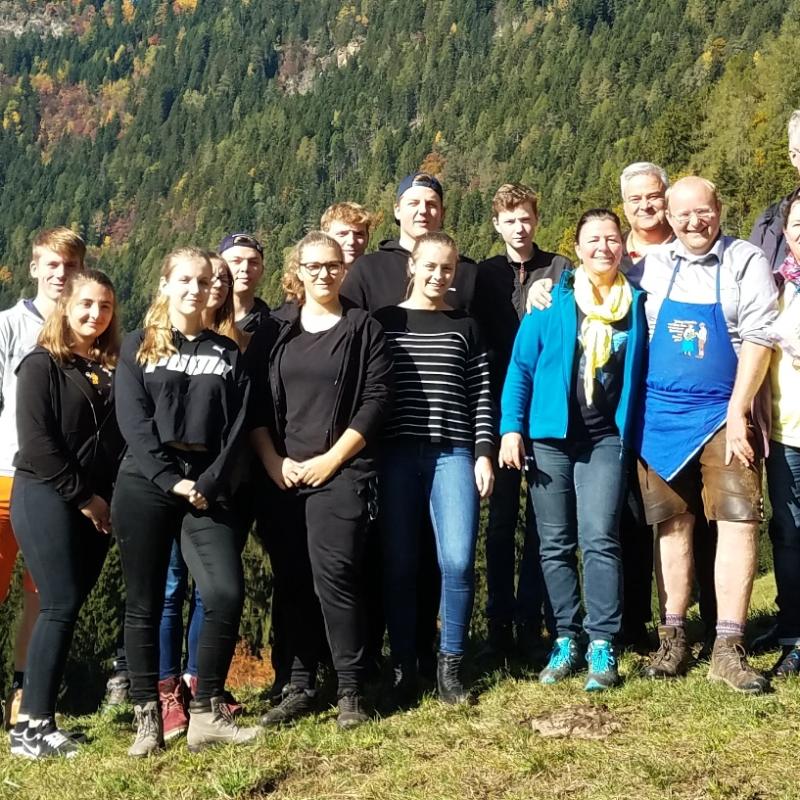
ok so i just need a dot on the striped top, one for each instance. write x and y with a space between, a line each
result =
441 378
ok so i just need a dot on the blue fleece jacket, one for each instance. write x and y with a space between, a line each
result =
539 378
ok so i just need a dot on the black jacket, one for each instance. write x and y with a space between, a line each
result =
499 304
255 318
381 279
767 233
364 384
65 440
197 396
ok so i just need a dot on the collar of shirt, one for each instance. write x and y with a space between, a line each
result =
523 267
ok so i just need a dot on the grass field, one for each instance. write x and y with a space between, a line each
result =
684 739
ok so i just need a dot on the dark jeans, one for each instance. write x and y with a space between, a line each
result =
783 481
64 554
501 556
577 491
318 565
147 522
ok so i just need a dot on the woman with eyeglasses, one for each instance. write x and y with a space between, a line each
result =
320 402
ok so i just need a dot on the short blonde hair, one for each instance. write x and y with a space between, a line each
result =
513 195
347 212
291 282
60 240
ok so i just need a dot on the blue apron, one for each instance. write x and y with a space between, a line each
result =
690 376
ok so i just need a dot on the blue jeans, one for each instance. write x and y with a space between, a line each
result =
420 478
171 628
577 491
501 558
783 482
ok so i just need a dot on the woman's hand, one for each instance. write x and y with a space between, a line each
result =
539 295
319 470
185 489
512 451
484 476
291 473
98 512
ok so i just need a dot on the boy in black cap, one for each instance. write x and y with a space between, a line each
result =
244 255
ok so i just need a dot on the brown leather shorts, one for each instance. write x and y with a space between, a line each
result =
729 493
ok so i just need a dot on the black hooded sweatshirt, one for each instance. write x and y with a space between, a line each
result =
198 396
380 279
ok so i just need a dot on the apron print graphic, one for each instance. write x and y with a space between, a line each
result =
690 335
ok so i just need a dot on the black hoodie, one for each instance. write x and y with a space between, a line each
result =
67 438
197 396
381 279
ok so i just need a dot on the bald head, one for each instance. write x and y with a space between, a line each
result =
693 211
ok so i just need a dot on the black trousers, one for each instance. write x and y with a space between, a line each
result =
146 522
636 538
64 553
317 555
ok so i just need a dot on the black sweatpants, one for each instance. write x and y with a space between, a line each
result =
64 553
146 522
317 560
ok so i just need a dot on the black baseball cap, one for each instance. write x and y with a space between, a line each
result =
419 179
240 240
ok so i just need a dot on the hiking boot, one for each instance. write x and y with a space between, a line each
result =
296 703
174 718
602 663
405 686
11 707
149 733
44 741
117 688
672 657
211 723
789 662
563 661
190 682
234 706
351 709
449 686
729 665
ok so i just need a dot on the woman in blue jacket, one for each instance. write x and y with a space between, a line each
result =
572 385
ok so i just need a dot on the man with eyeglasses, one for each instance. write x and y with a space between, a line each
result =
767 232
698 430
244 255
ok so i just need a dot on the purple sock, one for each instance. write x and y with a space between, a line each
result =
727 627
675 620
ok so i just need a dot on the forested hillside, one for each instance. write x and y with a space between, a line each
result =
143 124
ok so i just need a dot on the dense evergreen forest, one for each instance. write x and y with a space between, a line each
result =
147 123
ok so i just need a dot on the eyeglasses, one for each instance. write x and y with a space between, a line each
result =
703 214
314 268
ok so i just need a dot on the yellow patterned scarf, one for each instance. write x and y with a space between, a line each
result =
596 330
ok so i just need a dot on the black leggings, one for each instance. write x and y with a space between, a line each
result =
64 553
317 560
146 521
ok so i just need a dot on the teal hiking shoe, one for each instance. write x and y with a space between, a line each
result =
602 663
564 660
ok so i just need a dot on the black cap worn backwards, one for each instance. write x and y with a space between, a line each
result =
240 240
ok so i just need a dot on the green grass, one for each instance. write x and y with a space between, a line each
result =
683 739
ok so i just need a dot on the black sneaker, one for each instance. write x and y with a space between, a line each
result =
789 662
15 739
351 709
45 741
296 703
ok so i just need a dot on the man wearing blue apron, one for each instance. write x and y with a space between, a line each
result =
697 438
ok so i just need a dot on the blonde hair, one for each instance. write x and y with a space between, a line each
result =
349 213
291 282
60 240
224 319
56 335
158 342
513 195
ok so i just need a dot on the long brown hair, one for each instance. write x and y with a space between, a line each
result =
292 285
57 337
157 342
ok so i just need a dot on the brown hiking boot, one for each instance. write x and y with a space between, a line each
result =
672 657
729 665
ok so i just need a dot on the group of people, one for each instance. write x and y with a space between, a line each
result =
357 428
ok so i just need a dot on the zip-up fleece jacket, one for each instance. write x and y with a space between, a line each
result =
197 396
19 330
767 233
363 385
64 440
539 380
381 279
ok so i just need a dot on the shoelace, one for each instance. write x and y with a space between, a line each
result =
55 738
560 654
742 655
349 701
146 725
662 654
171 701
601 659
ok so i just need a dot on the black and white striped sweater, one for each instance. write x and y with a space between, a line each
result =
441 378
